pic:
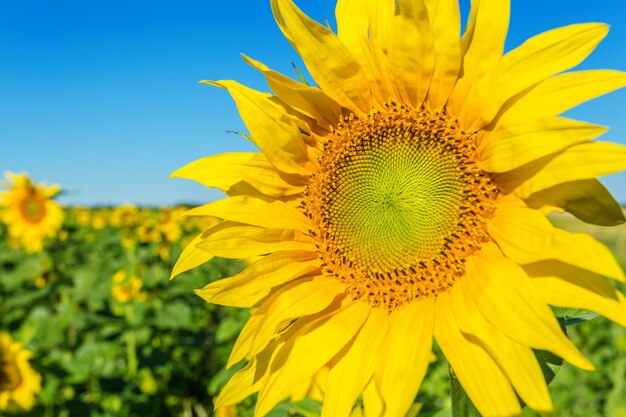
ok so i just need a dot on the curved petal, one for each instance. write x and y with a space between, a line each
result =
562 92
311 101
408 348
505 296
256 281
588 200
297 299
535 60
482 46
273 130
359 27
516 360
579 162
246 173
526 236
330 63
256 212
353 368
373 402
567 286
511 145
250 379
236 241
190 257
445 19
410 51
481 378
303 355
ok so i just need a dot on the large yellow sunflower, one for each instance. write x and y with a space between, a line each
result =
19 382
29 211
402 200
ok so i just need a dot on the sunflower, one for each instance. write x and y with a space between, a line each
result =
402 200
126 288
19 382
29 211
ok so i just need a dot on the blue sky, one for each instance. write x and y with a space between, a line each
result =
101 96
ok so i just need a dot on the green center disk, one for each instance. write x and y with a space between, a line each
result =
393 202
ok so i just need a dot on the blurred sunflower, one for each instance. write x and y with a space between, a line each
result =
29 211
126 288
19 382
402 200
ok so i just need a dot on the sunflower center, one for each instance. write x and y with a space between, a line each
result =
33 208
10 377
398 204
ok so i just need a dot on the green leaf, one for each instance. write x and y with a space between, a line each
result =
550 364
574 315
228 328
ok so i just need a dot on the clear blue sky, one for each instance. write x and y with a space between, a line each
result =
101 96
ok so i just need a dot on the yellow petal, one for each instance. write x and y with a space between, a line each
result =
191 257
255 282
273 130
249 379
316 344
359 27
482 46
588 200
481 378
567 286
330 63
526 236
254 211
236 241
309 100
535 60
407 355
445 20
410 51
516 360
373 402
514 144
297 299
506 297
241 173
353 367
580 162
562 92
243 344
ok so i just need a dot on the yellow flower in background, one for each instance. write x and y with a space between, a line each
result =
29 211
126 215
19 382
227 411
98 220
126 288
81 215
402 201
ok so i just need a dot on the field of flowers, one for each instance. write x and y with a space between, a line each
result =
109 334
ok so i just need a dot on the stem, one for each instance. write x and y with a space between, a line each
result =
461 404
131 348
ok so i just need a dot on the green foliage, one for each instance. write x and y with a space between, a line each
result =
153 356
164 354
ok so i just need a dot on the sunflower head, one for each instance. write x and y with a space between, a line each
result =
29 211
401 200
19 382
398 203
126 288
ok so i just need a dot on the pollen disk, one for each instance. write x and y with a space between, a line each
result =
398 204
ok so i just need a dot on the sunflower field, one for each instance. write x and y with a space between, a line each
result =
417 232
107 333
